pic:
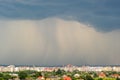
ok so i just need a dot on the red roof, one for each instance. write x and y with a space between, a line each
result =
102 75
67 78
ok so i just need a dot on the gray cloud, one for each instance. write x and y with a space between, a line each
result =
54 41
103 14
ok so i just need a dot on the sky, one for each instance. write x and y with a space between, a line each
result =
60 32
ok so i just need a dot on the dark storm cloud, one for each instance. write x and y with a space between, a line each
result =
103 14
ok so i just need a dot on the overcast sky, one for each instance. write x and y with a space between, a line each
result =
60 32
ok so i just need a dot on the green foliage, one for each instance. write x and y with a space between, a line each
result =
22 74
1 74
88 77
59 72
1 78
117 78
5 76
94 74
100 79
28 73
105 78
32 75
29 78
37 74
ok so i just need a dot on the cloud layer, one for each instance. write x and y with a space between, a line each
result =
103 14
54 41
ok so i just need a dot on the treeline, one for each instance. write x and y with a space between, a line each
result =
58 74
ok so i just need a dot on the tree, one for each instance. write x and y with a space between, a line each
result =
2 78
100 79
37 74
22 75
117 78
58 72
7 76
1 74
88 77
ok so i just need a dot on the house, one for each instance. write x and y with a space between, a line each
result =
115 75
40 78
102 75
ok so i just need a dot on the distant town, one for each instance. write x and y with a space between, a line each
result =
68 72
69 67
